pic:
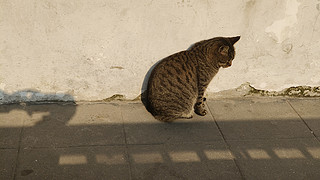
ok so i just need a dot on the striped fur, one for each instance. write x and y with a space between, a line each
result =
177 84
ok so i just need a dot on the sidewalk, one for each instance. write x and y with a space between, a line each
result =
244 138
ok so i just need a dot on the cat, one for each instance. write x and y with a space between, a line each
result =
177 84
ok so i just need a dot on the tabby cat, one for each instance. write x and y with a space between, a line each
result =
177 84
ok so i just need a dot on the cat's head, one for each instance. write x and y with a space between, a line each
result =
226 51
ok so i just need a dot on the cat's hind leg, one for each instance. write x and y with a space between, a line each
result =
188 115
167 119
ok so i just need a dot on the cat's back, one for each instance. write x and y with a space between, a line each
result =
173 71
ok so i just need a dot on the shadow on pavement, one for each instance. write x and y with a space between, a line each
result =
32 104
51 141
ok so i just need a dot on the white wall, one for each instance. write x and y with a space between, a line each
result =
93 49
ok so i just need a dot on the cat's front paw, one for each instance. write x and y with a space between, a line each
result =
200 111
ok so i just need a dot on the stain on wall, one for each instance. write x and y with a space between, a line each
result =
283 29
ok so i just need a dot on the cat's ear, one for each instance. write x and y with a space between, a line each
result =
224 50
233 40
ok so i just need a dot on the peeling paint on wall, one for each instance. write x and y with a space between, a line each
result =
247 90
282 29
33 96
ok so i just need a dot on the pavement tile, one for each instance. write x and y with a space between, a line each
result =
11 123
7 163
71 125
142 128
262 118
267 139
183 161
74 163
309 110
278 159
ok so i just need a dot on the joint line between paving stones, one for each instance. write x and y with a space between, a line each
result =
312 132
224 139
126 144
17 163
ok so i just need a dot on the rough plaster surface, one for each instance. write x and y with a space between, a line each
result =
93 49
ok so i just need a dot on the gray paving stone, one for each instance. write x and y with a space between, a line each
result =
11 123
74 163
7 163
59 126
142 128
262 118
309 110
267 137
278 159
183 161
